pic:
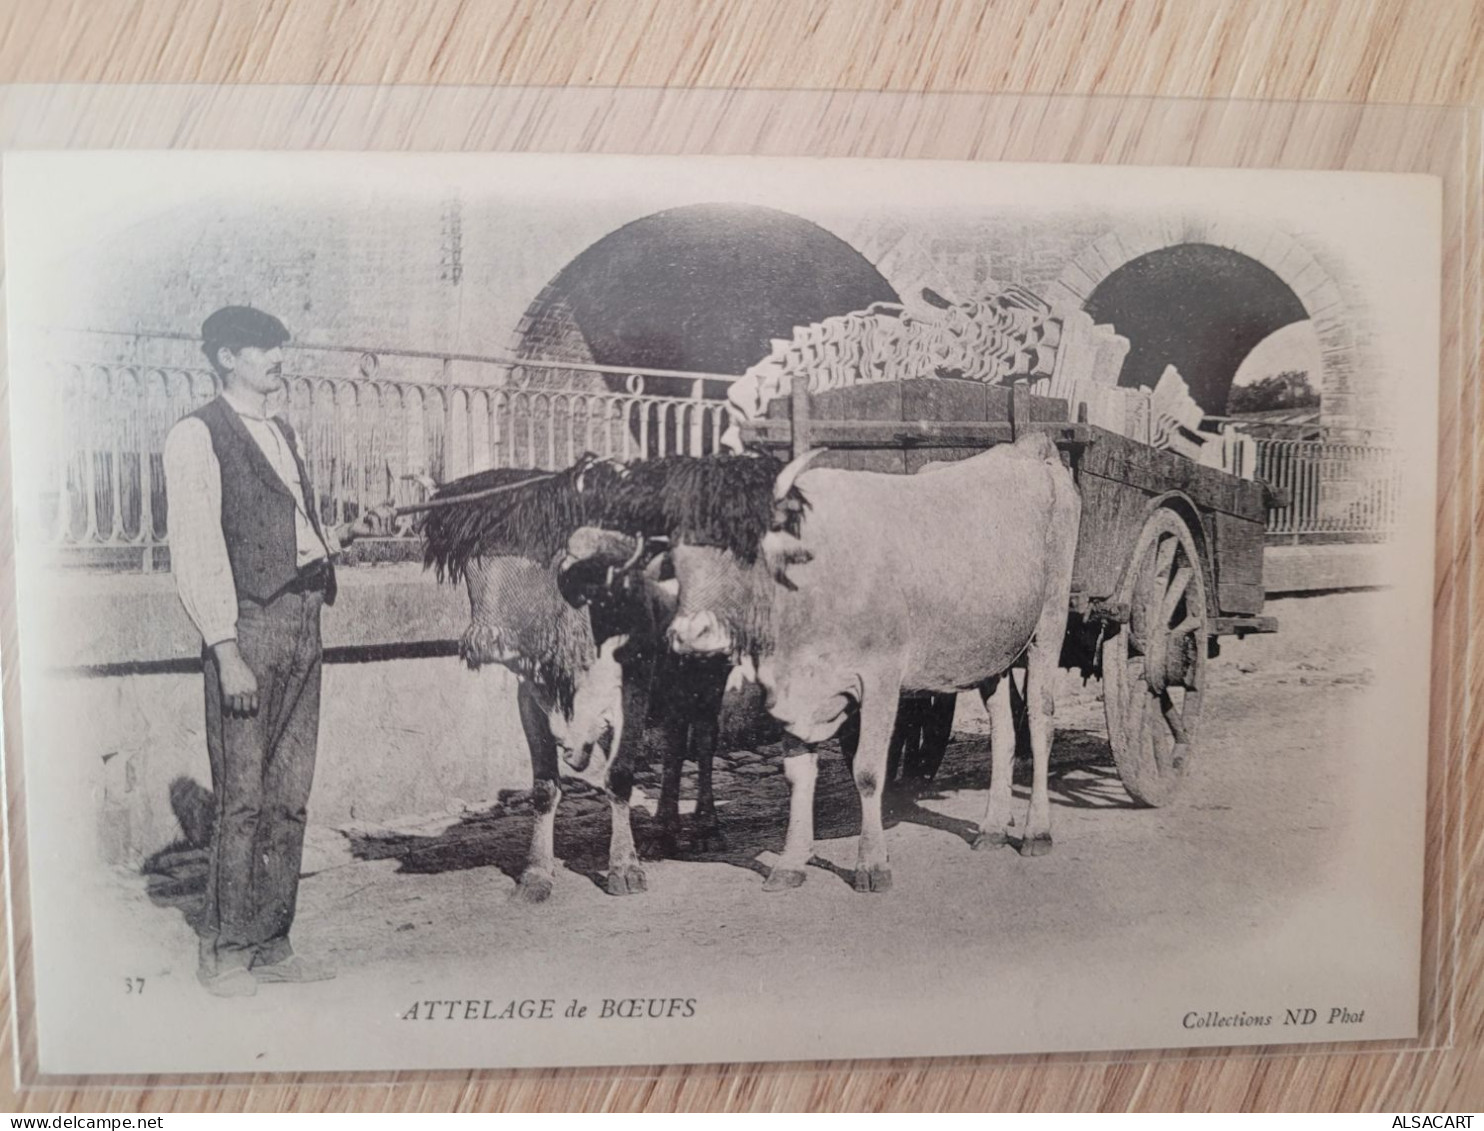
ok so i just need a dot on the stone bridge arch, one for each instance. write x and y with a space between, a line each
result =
702 288
1230 284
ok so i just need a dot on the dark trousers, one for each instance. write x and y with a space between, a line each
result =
261 770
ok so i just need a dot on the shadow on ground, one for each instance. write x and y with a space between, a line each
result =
754 814
753 798
175 876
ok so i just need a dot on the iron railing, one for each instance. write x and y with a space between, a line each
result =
371 441
1334 490
367 441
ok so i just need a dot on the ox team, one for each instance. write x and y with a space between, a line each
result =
621 597
601 586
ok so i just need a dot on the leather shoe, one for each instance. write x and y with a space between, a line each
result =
234 982
295 968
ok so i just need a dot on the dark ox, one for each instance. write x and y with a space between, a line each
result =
585 670
865 585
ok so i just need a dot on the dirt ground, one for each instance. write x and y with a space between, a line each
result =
413 905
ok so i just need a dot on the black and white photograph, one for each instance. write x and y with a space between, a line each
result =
500 611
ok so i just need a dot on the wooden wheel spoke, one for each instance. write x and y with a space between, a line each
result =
1149 581
1160 730
1164 555
1173 719
1187 626
1178 585
1172 761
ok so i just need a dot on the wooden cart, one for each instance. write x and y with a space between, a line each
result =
1169 552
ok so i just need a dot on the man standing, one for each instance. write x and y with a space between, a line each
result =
252 566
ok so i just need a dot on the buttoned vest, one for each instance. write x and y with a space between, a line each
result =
257 507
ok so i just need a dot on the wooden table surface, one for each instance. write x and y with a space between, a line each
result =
1352 51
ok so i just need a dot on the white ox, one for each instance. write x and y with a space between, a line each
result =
938 582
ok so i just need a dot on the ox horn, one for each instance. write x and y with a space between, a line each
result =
635 556
785 481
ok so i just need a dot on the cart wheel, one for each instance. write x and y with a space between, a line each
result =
1154 667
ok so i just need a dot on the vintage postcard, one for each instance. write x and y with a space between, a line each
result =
500 611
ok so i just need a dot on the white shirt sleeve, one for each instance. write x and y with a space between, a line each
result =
198 549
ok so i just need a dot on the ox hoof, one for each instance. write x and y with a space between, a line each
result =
781 879
534 887
996 839
1038 845
628 880
875 878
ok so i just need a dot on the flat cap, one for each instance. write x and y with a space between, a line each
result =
233 327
